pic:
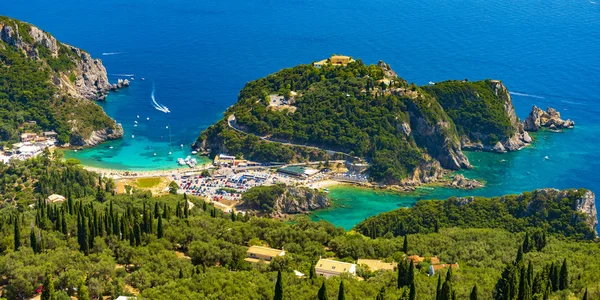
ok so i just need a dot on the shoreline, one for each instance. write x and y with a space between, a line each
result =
135 174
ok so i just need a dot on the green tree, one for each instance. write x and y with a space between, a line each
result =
405 245
159 228
381 294
17 234
438 290
33 241
473 295
278 287
82 291
322 295
519 254
585 295
412 295
173 187
526 243
564 276
342 296
48 292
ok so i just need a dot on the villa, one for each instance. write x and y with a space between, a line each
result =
376 265
336 60
257 253
328 268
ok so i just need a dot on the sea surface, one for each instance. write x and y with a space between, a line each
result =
197 55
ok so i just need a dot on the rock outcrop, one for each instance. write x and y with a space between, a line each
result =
550 119
296 200
87 79
459 181
97 137
120 84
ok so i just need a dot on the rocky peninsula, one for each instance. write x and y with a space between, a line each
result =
66 72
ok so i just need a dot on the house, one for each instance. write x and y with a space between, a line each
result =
336 60
50 134
55 198
298 171
376 265
28 137
126 298
328 268
257 253
438 267
29 150
417 259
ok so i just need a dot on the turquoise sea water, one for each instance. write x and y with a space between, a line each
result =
199 54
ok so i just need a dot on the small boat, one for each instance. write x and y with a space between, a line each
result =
181 145
148 119
143 78
193 152
170 153
110 147
134 125
75 150
154 153
138 116
135 122
132 79
431 82
133 136
167 127
181 161
546 157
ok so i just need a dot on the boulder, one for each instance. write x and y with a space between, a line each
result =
550 118
499 148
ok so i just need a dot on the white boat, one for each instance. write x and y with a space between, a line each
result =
167 127
133 136
154 153
170 153
148 119
135 122
546 157
75 150
181 161
134 125
110 147
143 78
431 82
132 79
138 116
193 152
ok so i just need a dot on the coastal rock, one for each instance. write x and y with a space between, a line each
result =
550 118
87 79
526 137
427 172
405 129
297 200
499 148
459 181
97 137
120 84
387 69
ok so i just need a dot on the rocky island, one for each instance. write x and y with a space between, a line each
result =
51 86
344 109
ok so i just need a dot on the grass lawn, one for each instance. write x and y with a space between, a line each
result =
148 182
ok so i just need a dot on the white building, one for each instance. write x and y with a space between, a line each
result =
328 268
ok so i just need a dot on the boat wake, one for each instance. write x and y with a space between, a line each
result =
112 53
124 75
526 95
156 105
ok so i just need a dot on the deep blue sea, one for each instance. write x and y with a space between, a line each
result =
199 54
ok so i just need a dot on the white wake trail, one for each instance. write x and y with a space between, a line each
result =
526 95
157 106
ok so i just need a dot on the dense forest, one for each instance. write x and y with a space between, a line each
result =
551 210
97 244
359 111
27 93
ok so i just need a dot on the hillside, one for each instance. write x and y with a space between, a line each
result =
366 112
51 84
158 248
569 212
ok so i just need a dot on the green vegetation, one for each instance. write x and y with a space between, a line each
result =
27 94
148 182
475 109
263 197
546 210
167 250
348 110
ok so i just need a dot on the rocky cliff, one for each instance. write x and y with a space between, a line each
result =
72 76
85 79
550 119
296 200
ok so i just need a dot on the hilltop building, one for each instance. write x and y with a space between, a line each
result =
257 253
336 60
376 265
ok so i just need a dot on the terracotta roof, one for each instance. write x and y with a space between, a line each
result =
375 265
265 251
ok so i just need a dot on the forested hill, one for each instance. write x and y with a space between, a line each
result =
568 212
51 84
98 245
365 111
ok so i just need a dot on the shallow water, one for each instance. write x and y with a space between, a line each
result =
199 54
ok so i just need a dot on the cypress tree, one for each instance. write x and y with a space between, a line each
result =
400 280
405 245
564 276
156 210
186 209
438 290
446 293
17 234
311 272
159 228
48 292
137 234
64 228
554 277
33 241
473 295
412 295
381 295
278 287
342 296
180 273
585 295
526 247
410 277
519 254
322 292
